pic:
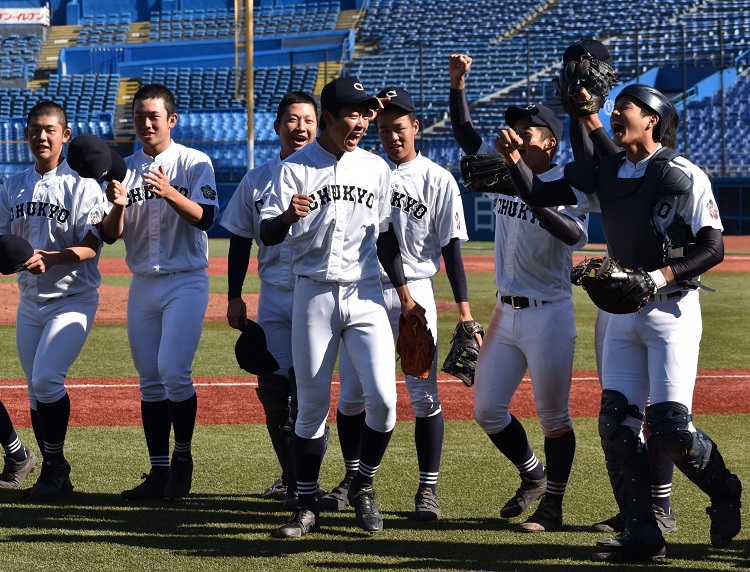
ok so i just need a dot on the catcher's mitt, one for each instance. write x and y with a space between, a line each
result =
596 76
486 174
461 361
415 346
613 289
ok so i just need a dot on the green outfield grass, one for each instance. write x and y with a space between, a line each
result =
225 526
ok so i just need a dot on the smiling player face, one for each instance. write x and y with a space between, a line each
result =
296 128
344 132
46 135
153 125
396 131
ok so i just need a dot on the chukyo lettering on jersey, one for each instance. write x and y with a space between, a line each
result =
144 193
514 209
342 193
407 204
30 209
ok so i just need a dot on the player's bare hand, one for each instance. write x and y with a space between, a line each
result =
39 262
298 208
158 182
410 308
581 96
458 66
236 313
117 193
508 141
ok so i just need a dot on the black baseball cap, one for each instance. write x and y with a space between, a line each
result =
399 97
590 46
14 252
92 158
346 91
539 114
252 352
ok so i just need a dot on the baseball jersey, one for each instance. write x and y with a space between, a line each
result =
52 212
157 239
336 241
242 217
698 208
529 261
427 214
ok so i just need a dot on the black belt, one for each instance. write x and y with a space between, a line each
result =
517 302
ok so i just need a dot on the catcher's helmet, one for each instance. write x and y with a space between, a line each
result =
655 100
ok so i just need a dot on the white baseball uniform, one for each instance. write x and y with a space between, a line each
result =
427 213
338 295
532 326
655 352
57 308
168 257
242 217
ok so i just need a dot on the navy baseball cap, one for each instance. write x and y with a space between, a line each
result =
539 114
14 252
252 352
92 158
346 91
590 46
399 97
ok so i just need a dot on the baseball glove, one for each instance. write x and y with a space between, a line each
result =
461 361
596 76
612 288
486 174
415 346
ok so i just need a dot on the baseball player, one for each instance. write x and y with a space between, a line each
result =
581 124
19 460
428 218
162 211
296 125
333 199
659 214
55 210
532 326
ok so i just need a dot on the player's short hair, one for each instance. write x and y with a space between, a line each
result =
46 108
669 138
412 115
292 98
157 91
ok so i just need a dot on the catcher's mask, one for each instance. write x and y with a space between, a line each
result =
251 351
655 100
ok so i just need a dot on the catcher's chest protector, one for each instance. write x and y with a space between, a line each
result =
627 207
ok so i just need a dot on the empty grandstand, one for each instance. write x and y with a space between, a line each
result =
91 55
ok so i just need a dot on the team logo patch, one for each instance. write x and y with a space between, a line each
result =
95 217
713 209
208 192
457 218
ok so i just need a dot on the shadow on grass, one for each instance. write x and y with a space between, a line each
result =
240 526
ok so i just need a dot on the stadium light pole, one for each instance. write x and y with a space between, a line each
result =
249 87
421 95
685 138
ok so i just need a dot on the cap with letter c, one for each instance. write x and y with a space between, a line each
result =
346 91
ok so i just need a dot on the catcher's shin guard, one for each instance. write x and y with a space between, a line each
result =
693 452
273 393
628 468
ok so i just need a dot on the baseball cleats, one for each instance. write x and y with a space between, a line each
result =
667 522
426 505
529 491
337 499
151 488
180 477
547 517
276 491
612 524
54 480
368 516
302 521
725 516
14 474
291 498
627 547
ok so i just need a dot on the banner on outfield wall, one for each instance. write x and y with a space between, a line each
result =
25 16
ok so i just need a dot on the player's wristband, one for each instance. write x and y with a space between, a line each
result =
658 277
